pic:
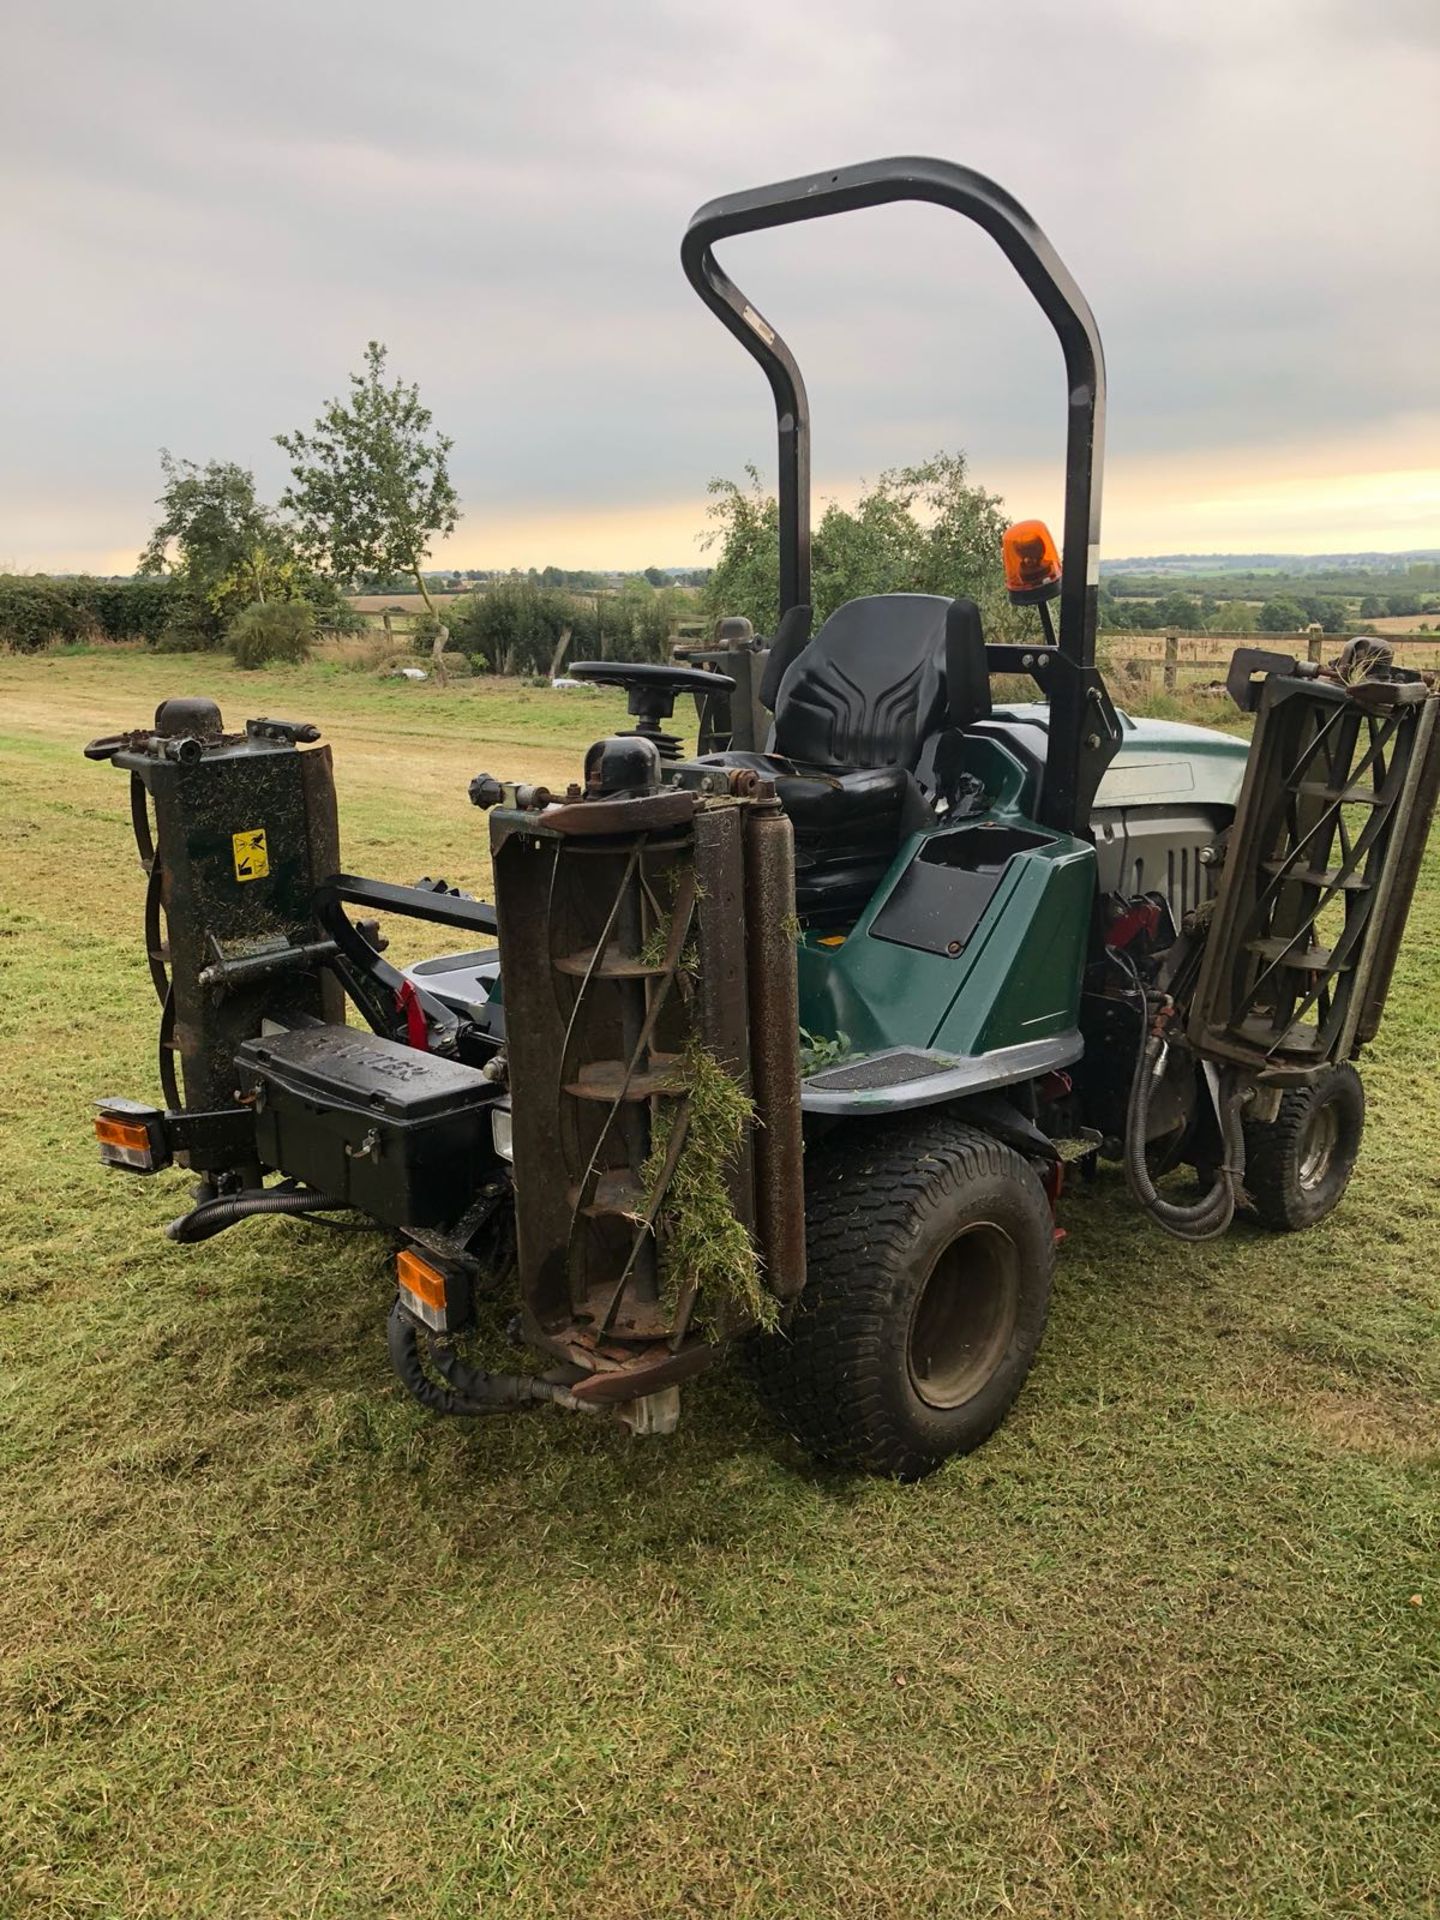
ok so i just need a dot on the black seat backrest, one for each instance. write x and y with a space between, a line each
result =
871 686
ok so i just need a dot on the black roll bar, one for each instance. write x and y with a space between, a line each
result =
1082 723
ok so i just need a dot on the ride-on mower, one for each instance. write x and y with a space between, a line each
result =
790 1045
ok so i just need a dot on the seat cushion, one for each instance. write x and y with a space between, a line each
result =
829 806
847 827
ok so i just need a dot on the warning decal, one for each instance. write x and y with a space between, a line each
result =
252 861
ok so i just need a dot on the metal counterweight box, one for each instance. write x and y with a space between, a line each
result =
402 1134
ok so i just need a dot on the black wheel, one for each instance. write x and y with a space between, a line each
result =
929 1250
1298 1165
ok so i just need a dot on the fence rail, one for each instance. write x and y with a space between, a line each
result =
1172 652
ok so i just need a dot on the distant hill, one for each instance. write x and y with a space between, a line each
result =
1283 563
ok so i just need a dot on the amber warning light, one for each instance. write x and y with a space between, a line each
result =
422 1288
132 1136
1032 565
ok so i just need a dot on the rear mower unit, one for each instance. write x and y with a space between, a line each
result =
789 1045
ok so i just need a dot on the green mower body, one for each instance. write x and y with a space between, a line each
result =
979 982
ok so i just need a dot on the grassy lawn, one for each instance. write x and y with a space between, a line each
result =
275 1642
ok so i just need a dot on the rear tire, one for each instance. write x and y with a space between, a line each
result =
1298 1165
930 1248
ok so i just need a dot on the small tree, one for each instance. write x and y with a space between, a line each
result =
226 550
516 626
370 483
745 526
216 538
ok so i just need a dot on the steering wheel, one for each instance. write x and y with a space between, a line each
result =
652 686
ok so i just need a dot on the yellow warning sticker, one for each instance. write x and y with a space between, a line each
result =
252 859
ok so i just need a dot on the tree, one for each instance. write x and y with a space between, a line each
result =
1402 605
1325 611
516 626
210 519
657 577
1372 607
1178 610
218 540
1232 616
370 482
636 623
920 529
226 550
745 526
1281 616
1109 614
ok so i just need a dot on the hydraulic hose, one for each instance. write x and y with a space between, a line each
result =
1209 1217
470 1391
213 1216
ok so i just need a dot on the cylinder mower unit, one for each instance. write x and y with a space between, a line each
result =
244 829
791 1044
1326 850
654 1067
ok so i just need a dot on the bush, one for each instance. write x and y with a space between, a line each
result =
333 612
518 626
423 632
271 630
457 665
38 611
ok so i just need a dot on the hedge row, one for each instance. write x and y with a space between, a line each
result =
37 611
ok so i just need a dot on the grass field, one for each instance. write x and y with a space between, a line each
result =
275 1642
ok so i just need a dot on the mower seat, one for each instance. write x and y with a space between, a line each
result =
853 711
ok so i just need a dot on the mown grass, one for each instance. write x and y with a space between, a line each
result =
274 1642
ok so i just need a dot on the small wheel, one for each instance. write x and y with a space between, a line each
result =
929 1249
1298 1165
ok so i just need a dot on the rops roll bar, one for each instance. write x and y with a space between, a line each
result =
1083 729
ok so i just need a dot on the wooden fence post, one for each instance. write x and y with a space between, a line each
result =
1314 640
1172 657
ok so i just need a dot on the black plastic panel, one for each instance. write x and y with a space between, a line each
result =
941 897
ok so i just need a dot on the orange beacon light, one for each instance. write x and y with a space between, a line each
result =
1032 565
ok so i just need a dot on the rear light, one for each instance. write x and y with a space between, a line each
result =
131 1135
501 1132
424 1289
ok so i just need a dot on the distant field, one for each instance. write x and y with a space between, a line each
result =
410 603
1406 623
274 1642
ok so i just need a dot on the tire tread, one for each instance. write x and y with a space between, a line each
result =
823 1377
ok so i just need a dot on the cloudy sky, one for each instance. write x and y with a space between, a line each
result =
209 208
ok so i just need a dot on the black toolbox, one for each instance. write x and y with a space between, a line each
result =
401 1134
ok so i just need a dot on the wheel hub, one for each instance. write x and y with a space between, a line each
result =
965 1316
1317 1148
